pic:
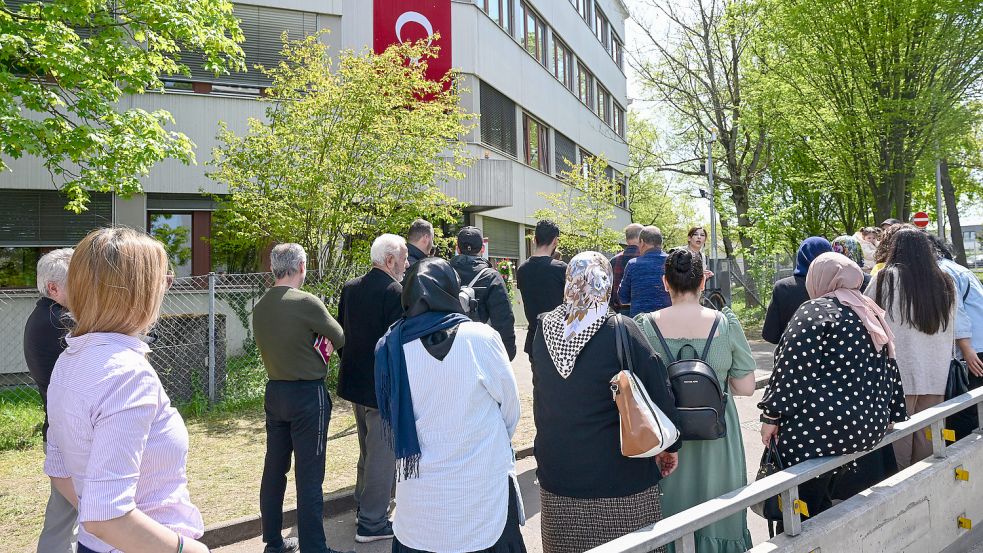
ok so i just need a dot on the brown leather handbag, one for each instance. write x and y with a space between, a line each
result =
645 430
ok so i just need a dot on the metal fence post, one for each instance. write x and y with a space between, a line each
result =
791 520
211 338
938 441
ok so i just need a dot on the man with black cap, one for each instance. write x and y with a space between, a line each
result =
493 304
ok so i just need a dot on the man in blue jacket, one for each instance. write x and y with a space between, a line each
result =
642 285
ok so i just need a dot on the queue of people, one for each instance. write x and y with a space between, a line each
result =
416 328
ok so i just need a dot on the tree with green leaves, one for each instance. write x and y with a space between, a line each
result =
65 64
873 84
584 208
351 147
650 197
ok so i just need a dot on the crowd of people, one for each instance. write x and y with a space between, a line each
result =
425 348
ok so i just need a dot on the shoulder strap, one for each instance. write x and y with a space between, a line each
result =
966 293
621 339
477 276
662 339
713 332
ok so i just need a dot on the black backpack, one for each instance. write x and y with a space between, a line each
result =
699 399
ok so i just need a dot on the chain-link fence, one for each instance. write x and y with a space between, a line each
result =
202 345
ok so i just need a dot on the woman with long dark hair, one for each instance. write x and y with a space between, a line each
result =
920 301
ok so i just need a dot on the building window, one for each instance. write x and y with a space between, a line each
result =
566 154
536 140
497 120
619 120
584 156
500 11
604 105
584 9
34 222
585 86
601 28
621 184
562 63
262 28
618 52
174 231
533 34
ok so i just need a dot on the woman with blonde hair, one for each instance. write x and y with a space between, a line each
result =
117 449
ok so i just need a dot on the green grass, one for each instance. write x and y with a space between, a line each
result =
21 417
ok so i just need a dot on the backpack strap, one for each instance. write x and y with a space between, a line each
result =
477 276
662 338
713 332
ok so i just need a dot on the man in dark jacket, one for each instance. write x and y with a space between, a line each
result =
419 241
494 305
369 305
620 261
541 278
44 340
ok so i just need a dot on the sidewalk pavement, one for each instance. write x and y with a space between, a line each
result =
340 530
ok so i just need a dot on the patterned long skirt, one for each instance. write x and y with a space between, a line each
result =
574 525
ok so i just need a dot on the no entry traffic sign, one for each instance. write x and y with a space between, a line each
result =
920 219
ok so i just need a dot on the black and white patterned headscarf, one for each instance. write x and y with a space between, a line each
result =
569 327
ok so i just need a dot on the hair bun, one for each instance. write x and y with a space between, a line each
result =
684 261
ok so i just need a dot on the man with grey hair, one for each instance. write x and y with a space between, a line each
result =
44 340
287 322
642 285
369 305
620 261
420 240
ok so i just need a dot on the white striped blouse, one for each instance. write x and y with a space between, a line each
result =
466 408
116 435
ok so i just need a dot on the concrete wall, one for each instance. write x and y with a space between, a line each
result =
915 511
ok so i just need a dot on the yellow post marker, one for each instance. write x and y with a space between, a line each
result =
948 435
800 507
962 474
964 523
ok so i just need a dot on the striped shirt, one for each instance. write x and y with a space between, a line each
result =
466 408
115 434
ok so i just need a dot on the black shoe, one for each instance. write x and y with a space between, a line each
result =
289 546
365 536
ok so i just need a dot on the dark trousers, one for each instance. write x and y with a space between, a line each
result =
297 415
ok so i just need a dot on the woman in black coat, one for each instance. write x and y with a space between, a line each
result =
590 492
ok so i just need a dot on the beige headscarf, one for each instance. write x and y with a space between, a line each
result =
569 327
833 275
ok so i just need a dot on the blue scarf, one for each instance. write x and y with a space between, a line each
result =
392 386
811 248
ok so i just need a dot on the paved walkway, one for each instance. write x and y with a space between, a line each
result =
340 530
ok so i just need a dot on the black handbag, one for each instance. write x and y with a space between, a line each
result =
967 420
771 462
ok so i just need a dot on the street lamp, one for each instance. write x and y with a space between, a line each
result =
713 196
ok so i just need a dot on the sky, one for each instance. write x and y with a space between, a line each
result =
644 14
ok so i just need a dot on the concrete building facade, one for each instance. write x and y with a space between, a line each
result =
546 76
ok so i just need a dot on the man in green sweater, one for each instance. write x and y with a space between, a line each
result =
286 322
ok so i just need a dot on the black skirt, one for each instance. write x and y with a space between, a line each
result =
509 542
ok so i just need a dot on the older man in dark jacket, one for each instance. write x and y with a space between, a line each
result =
44 340
494 306
369 305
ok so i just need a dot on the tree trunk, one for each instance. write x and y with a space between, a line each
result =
955 228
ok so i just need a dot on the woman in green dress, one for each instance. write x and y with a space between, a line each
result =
707 468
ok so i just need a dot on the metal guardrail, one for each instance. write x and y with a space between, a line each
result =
680 528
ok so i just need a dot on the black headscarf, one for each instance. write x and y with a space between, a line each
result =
431 304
